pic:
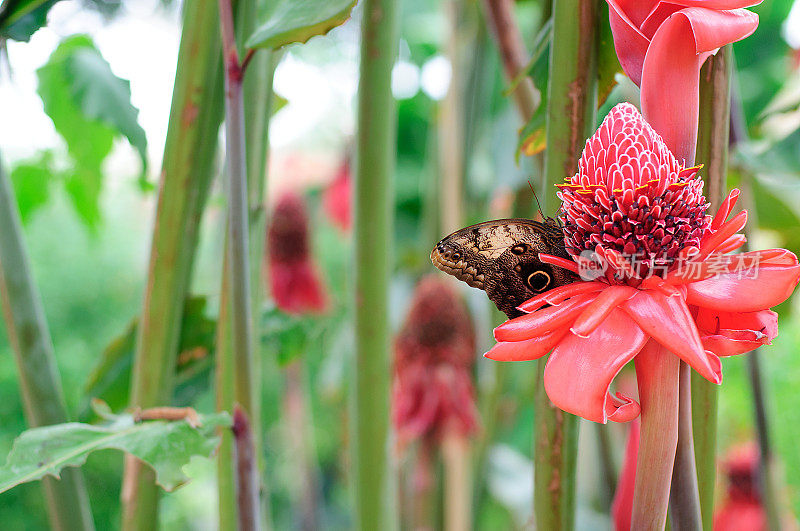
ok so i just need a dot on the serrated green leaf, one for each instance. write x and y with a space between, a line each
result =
31 180
104 97
88 141
166 446
89 106
298 20
19 19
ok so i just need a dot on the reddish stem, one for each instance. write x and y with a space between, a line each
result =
501 20
657 371
247 476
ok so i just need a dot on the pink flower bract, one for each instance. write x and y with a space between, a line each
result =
661 45
434 355
668 282
294 279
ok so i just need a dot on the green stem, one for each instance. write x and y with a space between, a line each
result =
373 236
238 254
455 450
768 475
657 372
712 152
39 381
767 462
506 33
257 88
684 497
187 171
571 108
451 127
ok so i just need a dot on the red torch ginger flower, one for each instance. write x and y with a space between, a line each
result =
337 198
434 354
661 45
668 286
741 509
294 280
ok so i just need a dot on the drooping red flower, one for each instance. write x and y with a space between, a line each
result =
294 279
741 509
336 199
661 279
661 45
434 355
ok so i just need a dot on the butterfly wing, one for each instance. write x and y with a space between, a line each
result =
501 258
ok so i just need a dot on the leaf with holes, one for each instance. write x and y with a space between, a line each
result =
167 446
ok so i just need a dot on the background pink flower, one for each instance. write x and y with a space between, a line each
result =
434 356
294 280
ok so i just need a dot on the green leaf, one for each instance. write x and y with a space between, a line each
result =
532 137
110 379
607 62
166 446
287 335
19 19
89 106
31 180
298 20
104 97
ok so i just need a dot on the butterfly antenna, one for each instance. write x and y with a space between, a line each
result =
557 217
536 197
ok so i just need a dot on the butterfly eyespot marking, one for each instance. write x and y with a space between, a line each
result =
456 256
538 281
520 248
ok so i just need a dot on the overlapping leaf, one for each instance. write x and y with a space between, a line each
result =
19 19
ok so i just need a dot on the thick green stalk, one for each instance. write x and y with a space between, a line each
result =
39 381
373 242
571 108
712 152
186 174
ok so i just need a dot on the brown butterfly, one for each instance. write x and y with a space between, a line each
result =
501 257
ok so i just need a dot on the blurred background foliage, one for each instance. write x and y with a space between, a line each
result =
87 208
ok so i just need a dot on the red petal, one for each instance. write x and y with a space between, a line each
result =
728 333
713 240
542 320
529 349
770 285
557 261
725 209
559 294
667 320
596 312
580 370
672 66
732 243
629 43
